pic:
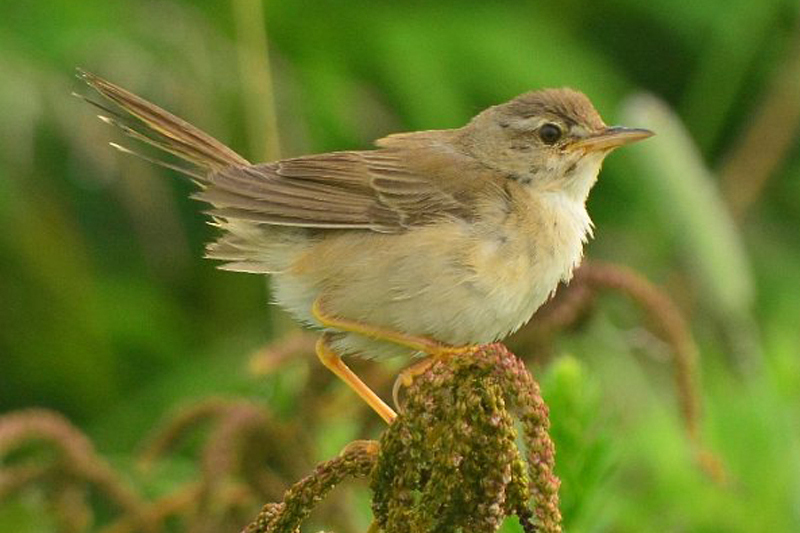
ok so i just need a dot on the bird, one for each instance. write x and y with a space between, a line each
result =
428 244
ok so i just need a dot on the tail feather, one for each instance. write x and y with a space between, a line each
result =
150 124
196 176
246 245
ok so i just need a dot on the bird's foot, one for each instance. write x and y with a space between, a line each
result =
406 378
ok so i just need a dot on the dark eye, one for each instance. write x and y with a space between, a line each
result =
550 133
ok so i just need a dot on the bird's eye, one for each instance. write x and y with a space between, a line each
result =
550 133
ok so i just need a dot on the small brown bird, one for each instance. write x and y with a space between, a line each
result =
434 241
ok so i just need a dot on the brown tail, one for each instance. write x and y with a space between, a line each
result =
149 123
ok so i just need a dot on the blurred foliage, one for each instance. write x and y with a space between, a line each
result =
110 316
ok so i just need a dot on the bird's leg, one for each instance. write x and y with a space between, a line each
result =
334 363
406 377
414 342
437 351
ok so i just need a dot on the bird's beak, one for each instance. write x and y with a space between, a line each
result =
611 138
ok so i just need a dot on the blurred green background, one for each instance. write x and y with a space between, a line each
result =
109 315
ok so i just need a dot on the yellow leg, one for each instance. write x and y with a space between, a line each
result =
334 363
406 377
414 342
437 350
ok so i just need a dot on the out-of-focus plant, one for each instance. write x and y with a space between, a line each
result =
242 462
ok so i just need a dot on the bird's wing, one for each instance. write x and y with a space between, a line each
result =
400 185
381 190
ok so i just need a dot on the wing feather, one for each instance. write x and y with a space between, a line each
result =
375 190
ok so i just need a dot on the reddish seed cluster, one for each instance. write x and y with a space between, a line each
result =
451 461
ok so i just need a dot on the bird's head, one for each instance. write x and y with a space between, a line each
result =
552 139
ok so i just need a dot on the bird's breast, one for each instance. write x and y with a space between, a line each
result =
518 261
